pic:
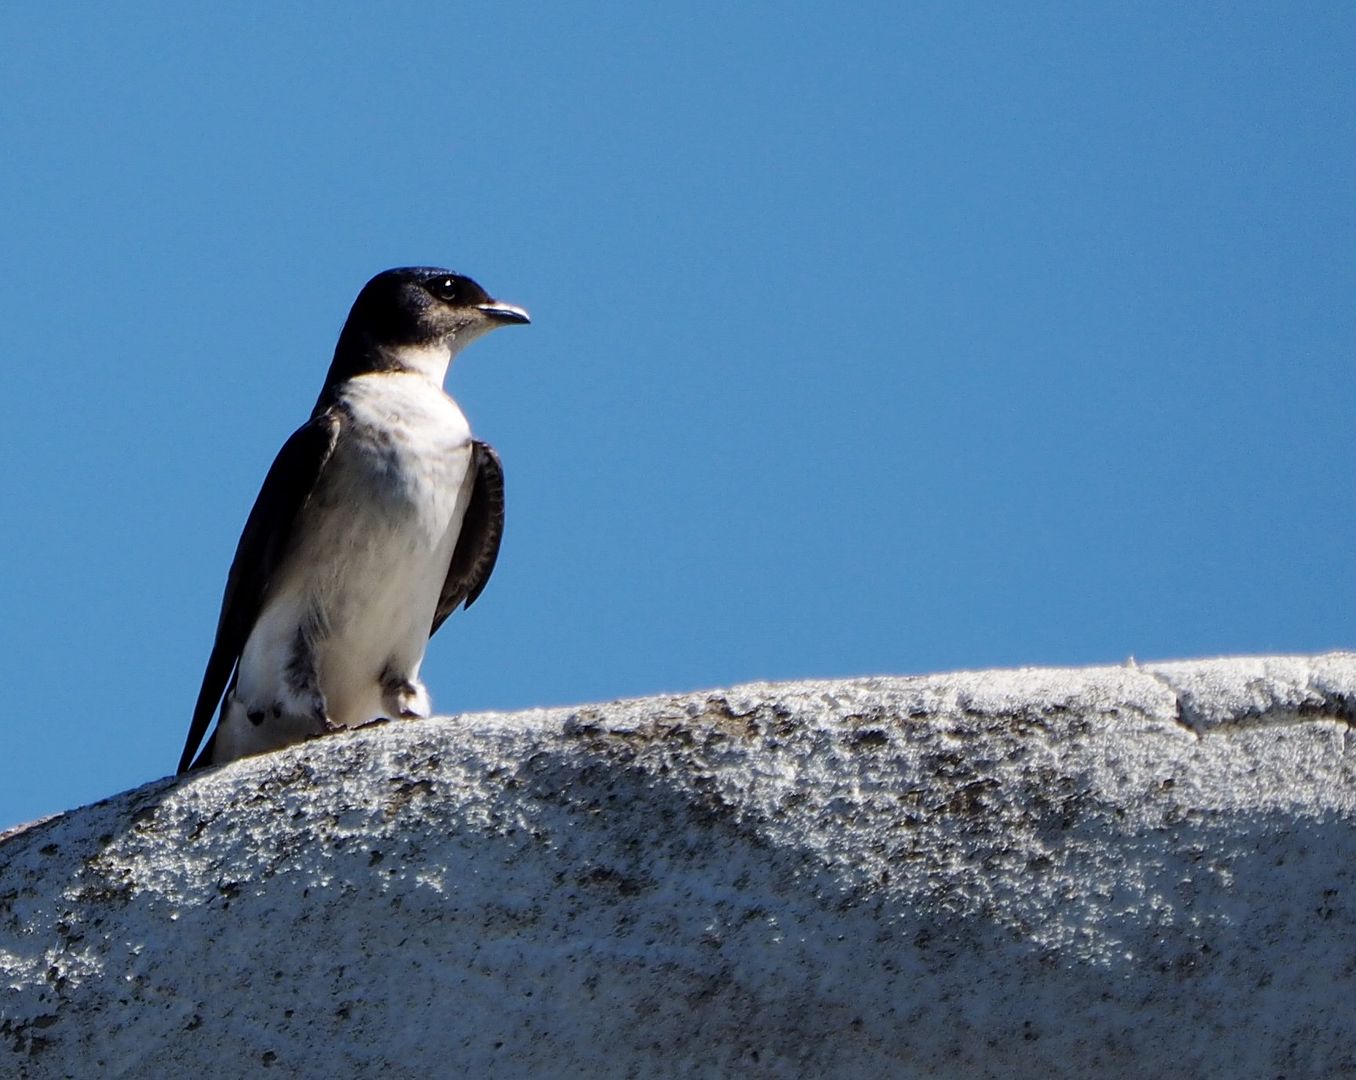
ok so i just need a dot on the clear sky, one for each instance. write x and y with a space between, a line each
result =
869 338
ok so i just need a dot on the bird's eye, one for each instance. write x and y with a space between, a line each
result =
446 289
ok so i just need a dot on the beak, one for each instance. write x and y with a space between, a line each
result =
504 313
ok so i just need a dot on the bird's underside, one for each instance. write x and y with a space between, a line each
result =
379 517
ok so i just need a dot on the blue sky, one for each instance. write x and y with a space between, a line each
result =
872 338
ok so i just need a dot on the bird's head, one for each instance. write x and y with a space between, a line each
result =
416 318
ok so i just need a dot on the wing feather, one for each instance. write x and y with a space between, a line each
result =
263 545
477 546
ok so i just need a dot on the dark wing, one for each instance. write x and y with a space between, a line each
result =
268 531
478 543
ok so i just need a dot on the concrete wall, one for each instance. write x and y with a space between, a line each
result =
1115 871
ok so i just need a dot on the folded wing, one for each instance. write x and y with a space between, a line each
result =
263 546
477 546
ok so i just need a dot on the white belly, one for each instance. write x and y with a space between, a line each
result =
371 555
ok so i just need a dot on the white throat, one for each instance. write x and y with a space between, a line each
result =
432 361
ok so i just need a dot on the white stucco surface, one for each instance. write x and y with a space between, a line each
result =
1129 871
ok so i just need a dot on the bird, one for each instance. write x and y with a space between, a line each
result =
379 517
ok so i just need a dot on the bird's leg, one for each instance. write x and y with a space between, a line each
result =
303 683
405 698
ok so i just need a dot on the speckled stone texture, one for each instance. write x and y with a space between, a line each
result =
1132 871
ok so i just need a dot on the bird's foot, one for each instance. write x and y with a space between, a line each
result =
405 699
325 726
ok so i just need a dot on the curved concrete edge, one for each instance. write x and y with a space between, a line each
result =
1126 870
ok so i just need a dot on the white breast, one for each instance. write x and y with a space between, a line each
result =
374 545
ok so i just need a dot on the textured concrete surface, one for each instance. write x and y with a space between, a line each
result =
1133 871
